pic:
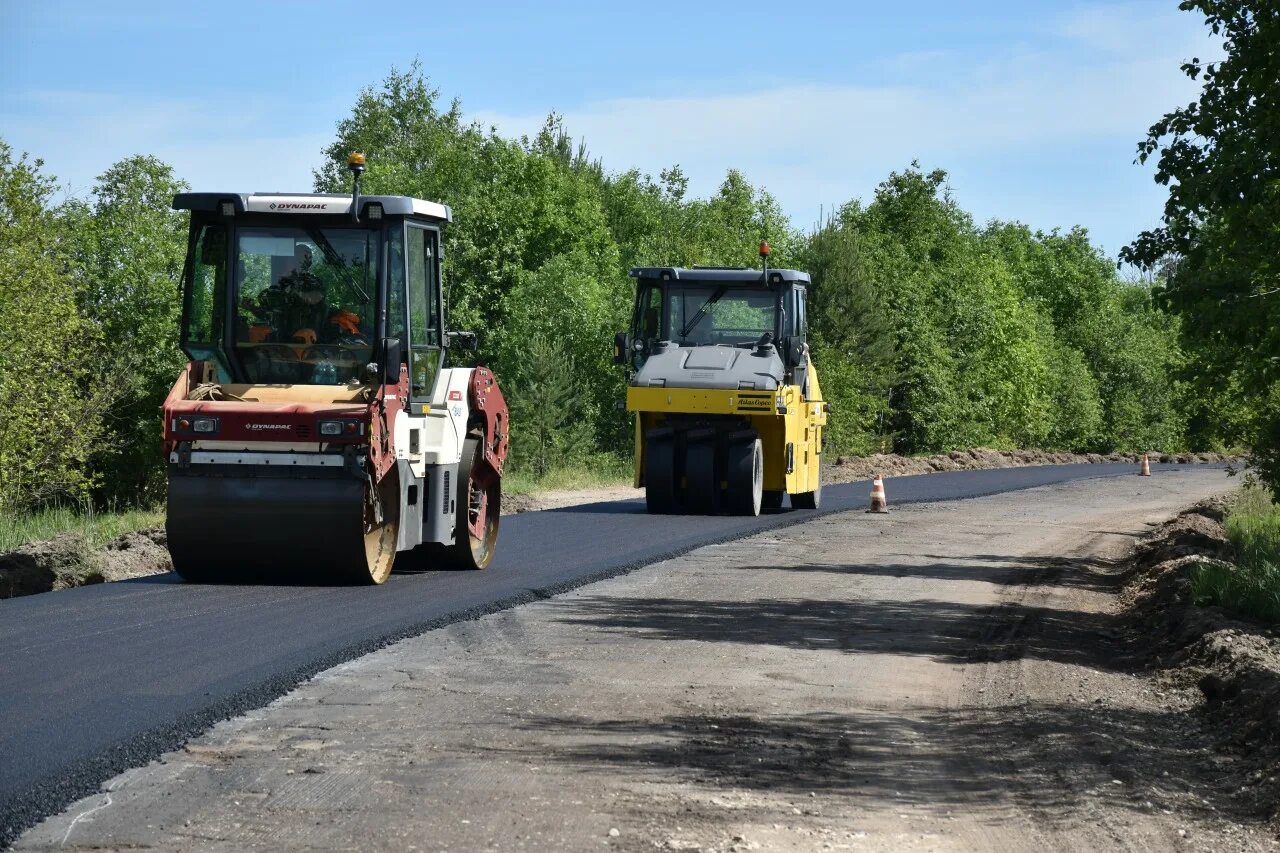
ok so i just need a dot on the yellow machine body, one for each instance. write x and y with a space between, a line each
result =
790 427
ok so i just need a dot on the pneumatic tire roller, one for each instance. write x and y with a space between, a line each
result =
729 417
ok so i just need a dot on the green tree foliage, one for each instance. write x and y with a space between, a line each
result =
1220 158
996 336
548 404
51 399
129 247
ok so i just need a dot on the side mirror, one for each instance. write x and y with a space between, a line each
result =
621 348
466 340
795 350
392 358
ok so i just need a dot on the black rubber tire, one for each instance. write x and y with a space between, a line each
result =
746 477
660 476
468 552
772 499
809 500
702 487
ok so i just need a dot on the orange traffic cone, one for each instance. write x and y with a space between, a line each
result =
1146 467
878 501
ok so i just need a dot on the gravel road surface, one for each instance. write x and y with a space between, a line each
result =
943 677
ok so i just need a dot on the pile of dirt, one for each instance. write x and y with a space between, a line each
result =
1230 665
849 468
136 555
69 560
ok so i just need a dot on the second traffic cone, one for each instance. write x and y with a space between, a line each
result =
1146 467
878 502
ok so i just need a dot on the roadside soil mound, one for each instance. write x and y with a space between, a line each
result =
1228 664
849 468
69 560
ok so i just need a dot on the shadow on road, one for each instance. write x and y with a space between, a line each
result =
942 630
1054 758
1088 573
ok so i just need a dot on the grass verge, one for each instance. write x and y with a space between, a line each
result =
597 471
96 527
1251 585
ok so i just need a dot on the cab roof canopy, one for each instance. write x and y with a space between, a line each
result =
311 203
720 275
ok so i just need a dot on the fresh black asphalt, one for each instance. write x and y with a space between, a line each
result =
102 678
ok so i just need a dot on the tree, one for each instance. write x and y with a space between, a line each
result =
129 246
852 331
1220 158
546 408
50 395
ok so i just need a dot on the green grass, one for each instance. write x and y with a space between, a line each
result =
96 527
600 470
1252 586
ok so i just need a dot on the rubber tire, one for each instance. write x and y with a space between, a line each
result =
702 487
746 477
660 476
772 499
466 552
809 500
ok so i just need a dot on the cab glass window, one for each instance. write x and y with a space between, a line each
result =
305 303
424 310
395 287
203 324
702 313
208 287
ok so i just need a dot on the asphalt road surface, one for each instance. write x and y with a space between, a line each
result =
102 678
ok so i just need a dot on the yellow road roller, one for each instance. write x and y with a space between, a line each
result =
729 416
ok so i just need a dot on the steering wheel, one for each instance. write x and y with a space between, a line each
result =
328 352
274 352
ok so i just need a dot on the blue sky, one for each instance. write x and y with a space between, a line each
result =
1033 107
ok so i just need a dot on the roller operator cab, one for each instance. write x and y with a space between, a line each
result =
729 413
317 430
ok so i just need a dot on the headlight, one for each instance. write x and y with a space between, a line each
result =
336 428
202 425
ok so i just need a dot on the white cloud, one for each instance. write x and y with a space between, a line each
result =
213 144
1106 75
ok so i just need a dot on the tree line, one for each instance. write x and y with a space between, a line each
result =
930 331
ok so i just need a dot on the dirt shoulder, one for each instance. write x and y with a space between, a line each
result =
849 468
947 676
1226 665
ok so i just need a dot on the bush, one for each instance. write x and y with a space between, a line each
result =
1252 585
